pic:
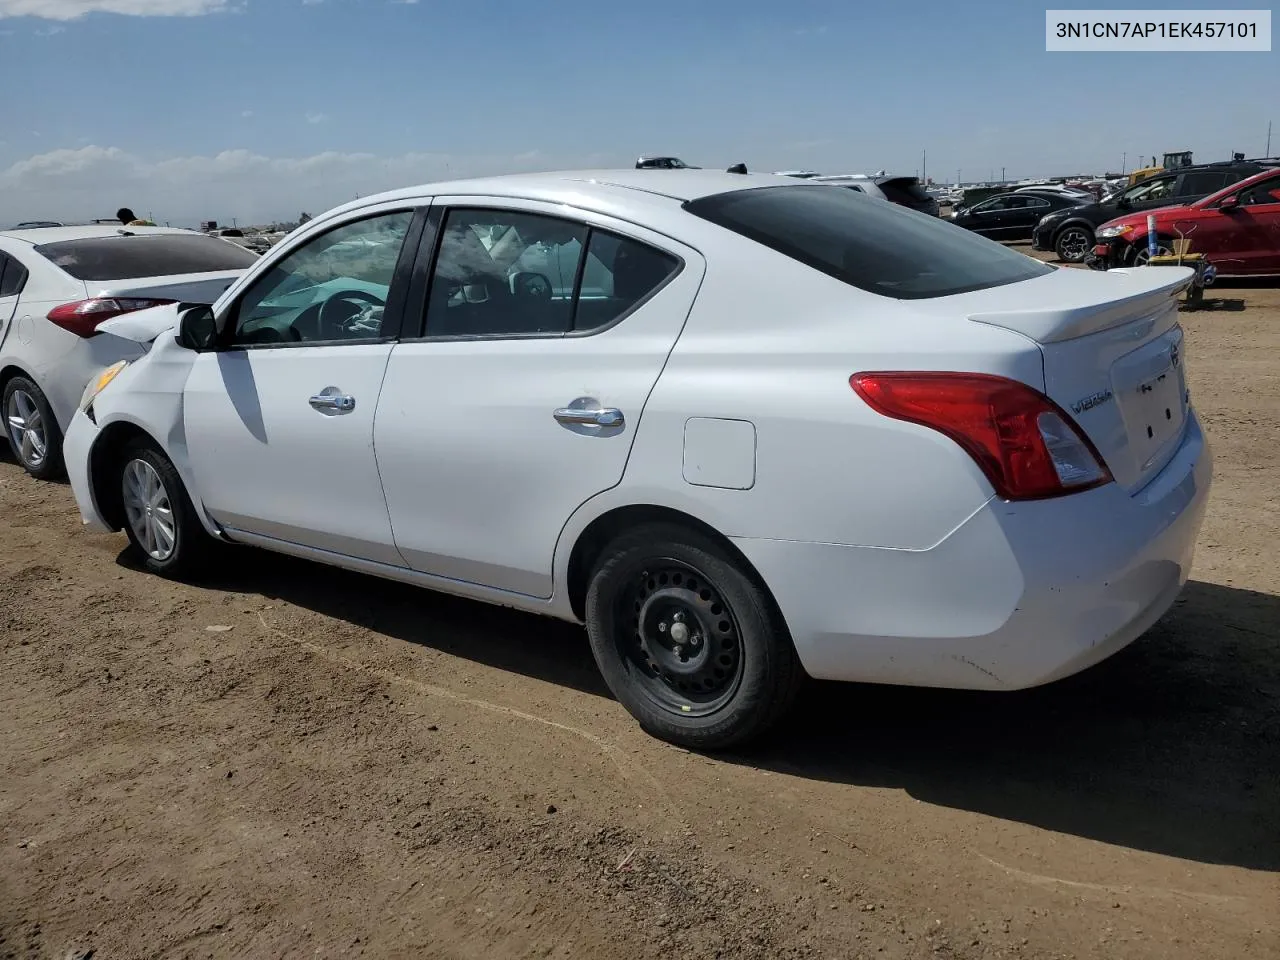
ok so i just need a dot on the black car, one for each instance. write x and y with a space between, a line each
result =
1012 216
1069 233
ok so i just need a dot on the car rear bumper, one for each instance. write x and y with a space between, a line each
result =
1019 595
76 446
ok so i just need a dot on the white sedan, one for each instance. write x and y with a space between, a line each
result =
57 285
745 428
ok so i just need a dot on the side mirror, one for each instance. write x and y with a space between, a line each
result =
1229 203
198 329
1122 203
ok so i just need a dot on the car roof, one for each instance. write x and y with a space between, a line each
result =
39 235
598 190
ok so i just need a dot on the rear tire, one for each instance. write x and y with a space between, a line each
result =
159 518
688 642
32 430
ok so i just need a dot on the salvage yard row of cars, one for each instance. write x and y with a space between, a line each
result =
745 428
1232 208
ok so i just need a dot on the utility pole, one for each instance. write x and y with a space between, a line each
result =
1268 152
233 222
957 176
1124 162
924 160
1002 175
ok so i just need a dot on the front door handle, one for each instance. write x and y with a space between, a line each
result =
597 417
339 402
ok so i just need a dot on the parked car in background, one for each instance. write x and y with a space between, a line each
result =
1012 216
743 428
904 191
1070 233
57 284
662 163
1237 230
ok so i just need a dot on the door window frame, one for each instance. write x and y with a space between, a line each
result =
393 313
414 328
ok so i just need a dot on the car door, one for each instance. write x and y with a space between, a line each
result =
1256 239
1025 211
279 419
543 337
990 218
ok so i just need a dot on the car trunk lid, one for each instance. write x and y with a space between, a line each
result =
1113 356
186 287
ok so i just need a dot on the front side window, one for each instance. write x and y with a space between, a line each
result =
874 246
1262 192
994 205
503 273
1201 184
332 288
1151 190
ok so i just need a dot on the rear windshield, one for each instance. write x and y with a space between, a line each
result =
905 190
145 255
867 243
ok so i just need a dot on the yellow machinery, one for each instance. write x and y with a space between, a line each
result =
1173 160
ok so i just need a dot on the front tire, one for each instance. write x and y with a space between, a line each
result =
32 429
1073 244
687 641
159 518
1139 254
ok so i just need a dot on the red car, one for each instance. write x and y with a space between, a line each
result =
1237 229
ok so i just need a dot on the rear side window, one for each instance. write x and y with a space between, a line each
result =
13 276
906 190
1202 184
866 243
145 255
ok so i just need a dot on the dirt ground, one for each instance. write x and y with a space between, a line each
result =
299 761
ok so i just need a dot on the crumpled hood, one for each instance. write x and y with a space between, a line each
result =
143 326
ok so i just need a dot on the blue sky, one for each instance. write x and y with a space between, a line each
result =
259 108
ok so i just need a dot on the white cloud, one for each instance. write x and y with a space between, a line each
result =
75 9
246 113
80 184
315 116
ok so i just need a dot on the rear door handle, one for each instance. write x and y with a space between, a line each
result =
598 417
340 402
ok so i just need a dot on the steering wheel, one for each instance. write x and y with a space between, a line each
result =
334 327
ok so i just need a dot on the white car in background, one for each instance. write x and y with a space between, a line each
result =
743 428
57 284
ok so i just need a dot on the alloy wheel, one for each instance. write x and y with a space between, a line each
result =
149 510
27 432
1073 245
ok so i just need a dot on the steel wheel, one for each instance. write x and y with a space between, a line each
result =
1073 244
681 638
27 431
149 510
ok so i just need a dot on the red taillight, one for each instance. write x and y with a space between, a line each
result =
1025 443
83 316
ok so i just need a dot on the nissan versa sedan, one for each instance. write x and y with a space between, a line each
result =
744 428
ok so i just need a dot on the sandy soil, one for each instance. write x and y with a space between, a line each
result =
297 761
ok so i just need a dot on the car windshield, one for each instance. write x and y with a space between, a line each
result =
867 243
145 255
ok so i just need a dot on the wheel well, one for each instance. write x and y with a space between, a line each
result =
9 372
1073 223
104 454
598 534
